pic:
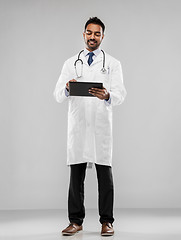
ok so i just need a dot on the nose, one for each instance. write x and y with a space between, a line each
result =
92 36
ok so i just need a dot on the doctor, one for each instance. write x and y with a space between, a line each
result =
90 125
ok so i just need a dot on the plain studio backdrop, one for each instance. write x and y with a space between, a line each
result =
37 36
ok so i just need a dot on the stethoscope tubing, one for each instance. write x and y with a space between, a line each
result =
103 70
78 59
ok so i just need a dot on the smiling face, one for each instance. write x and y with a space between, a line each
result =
93 36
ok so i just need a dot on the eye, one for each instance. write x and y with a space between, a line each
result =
88 33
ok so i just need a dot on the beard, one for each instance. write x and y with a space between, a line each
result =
92 44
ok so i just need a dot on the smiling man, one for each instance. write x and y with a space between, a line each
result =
90 125
93 36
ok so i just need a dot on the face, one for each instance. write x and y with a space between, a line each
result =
93 36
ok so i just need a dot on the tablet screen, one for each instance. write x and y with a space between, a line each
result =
82 88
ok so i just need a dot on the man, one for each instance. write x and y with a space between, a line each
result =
90 125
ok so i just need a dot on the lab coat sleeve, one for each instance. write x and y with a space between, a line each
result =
108 102
117 89
59 92
66 92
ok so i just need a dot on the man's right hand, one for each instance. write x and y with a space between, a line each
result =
67 84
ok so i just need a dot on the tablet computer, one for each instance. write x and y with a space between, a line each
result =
82 88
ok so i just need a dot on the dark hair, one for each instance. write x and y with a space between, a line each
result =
97 21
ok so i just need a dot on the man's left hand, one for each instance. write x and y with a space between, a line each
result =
100 93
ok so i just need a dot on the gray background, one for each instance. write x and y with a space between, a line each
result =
36 38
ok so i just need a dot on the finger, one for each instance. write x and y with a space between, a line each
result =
98 95
101 89
97 90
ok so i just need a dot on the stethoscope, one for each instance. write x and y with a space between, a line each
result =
103 70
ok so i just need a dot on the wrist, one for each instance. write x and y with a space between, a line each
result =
107 98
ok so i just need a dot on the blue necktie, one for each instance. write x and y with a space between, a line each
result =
90 59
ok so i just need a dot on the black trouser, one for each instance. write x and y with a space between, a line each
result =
76 209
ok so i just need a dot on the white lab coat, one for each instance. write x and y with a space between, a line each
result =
89 136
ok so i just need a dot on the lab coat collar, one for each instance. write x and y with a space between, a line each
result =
96 52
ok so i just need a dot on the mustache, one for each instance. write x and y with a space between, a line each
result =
93 40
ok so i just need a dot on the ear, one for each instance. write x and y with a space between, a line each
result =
102 36
83 35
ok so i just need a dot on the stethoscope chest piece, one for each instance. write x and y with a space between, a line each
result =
103 70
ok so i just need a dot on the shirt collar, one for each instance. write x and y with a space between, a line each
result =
96 52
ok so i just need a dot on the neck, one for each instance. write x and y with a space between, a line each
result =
91 50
